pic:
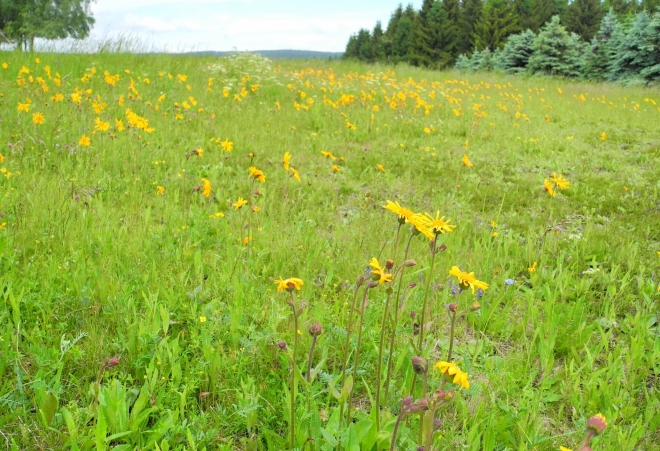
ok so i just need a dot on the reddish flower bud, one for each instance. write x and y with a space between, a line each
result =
204 394
475 306
282 345
114 361
413 314
315 329
372 284
409 263
452 307
419 365
441 248
597 424
389 264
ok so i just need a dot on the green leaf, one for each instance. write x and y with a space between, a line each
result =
49 408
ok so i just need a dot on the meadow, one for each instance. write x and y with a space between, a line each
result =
162 219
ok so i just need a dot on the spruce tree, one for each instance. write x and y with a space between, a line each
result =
583 17
422 40
402 35
470 14
445 34
497 23
516 53
651 72
621 7
556 52
376 46
633 52
524 11
388 39
543 10
602 47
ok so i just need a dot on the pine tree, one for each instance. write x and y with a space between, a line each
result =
445 35
470 14
602 47
359 46
497 23
463 63
621 7
633 52
543 10
422 40
376 46
351 51
402 35
388 40
583 18
516 53
524 11
556 52
651 72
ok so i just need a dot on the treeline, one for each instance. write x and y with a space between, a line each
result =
477 34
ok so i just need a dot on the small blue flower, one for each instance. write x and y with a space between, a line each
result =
509 282
479 293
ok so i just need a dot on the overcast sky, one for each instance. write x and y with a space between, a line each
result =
242 24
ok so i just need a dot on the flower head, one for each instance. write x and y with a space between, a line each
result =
438 225
467 279
466 161
289 284
84 141
286 160
402 213
420 223
559 181
453 374
257 174
378 273
206 188
239 203
328 155
597 424
227 145
38 118
380 167
549 187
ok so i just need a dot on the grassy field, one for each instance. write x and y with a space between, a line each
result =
139 305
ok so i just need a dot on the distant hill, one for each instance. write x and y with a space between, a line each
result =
278 54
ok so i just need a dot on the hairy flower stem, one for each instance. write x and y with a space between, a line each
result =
451 336
397 301
424 393
396 241
431 426
349 331
293 372
396 429
308 376
357 350
426 294
379 368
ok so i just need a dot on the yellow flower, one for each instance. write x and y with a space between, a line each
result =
466 161
467 279
328 155
256 209
438 225
38 118
402 213
257 174
380 167
239 203
23 107
547 118
549 187
289 284
453 373
227 145
419 221
378 273
100 125
160 190
563 448
206 188
603 136
295 173
2 158
5 65
2 226
335 168
84 141
532 268
202 319
286 160
560 181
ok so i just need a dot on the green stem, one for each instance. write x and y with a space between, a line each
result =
293 372
451 336
426 293
357 352
349 331
380 358
397 301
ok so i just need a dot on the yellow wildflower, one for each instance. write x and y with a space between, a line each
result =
289 284
438 225
206 188
335 168
603 136
560 181
202 319
328 155
295 173
239 203
549 187
84 141
380 167
38 118
23 107
402 213
466 161
160 190
453 374
467 279
532 268
257 174
227 145
378 273
286 160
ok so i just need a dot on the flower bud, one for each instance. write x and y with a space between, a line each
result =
409 263
412 284
441 248
475 306
204 394
372 284
449 395
413 314
114 361
282 345
419 365
437 424
256 193
420 405
419 448
453 307
407 401
597 424
315 329
439 394
389 264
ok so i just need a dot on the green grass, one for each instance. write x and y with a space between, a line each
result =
94 263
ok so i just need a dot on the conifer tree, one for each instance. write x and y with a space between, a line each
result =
388 39
651 72
402 35
470 14
583 18
633 52
556 52
497 23
516 53
376 46
621 7
445 35
543 10
422 40
602 47
524 11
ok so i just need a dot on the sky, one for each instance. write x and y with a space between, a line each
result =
184 25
